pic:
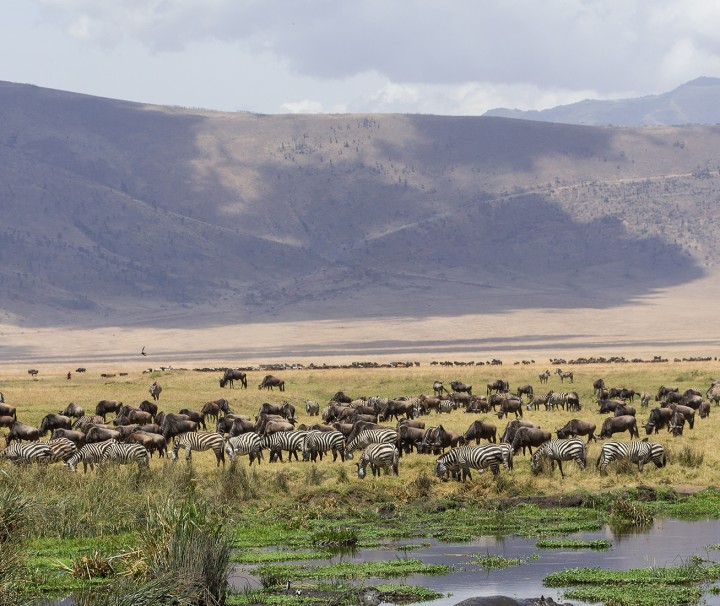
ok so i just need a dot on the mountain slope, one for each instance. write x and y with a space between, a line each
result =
121 212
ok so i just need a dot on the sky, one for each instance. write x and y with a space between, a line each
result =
448 57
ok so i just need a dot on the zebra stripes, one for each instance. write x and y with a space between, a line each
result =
387 435
199 441
89 454
245 444
560 450
62 449
123 454
638 452
379 456
84 422
291 441
463 458
565 399
319 442
26 453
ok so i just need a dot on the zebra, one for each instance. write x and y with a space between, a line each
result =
155 390
124 454
640 452
38 452
62 449
386 435
248 443
564 375
462 458
292 441
90 454
560 450
83 423
378 456
319 442
312 408
507 454
191 440
565 399
544 376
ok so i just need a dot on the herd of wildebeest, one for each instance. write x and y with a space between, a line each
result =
383 429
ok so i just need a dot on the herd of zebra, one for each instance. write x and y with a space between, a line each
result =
349 425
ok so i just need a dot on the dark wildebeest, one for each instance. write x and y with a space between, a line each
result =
133 416
527 437
285 410
498 386
230 376
8 411
409 437
73 410
677 423
6 420
151 441
687 411
240 425
598 384
628 394
21 431
510 405
624 410
511 428
609 405
174 425
704 410
396 409
155 390
613 425
575 428
479 430
664 390
526 389
340 397
213 408
78 437
460 386
659 418
54 421
194 415
101 434
150 407
437 439
270 381
692 401
105 406
428 403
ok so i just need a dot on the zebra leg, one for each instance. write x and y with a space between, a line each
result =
188 454
562 475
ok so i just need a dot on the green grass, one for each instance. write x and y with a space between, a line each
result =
573 544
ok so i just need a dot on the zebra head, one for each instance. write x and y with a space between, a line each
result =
361 464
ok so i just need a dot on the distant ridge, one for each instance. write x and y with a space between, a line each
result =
696 102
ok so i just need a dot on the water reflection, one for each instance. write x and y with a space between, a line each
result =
666 543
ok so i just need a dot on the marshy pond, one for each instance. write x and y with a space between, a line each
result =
667 543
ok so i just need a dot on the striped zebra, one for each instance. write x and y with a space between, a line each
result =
62 449
459 460
507 454
26 453
247 443
379 456
291 441
124 454
90 454
640 452
319 442
386 435
312 408
560 450
85 421
191 440
567 400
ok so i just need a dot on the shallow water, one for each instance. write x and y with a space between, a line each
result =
668 542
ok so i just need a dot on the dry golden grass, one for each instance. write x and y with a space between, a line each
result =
50 393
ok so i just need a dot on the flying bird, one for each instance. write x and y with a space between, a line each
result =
142 352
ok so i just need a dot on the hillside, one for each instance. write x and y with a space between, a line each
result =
695 102
115 212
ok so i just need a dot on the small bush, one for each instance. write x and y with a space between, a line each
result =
690 457
625 513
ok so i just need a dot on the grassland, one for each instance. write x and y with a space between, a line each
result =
75 519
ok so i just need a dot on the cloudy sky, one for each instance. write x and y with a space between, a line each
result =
454 57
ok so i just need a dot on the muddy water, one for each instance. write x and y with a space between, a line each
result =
667 543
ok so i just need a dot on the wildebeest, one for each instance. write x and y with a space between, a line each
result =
479 430
677 423
194 415
231 375
510 405
511 428
613 425
78 437
624 410
8 411
21 431
213 408
525 390
155 390
6 421
286 409
438 388
133 416
151 441
270 381
340 397
409 437
460 386
687 412
713 393
664 390
577 427
609 405
498 386
598 384
659 418
527 437
149 407
101 434
54 421
105 406
704 410
437 439
73 410
396 409
174 424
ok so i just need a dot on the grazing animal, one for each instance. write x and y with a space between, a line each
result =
319 442
76 437
409 437
312 408
544 376
713 393
396 409
511 428
152 442
89 455
230 376
22 432
576 427
498 386
526 390
641 452
659 418
193 440
212 409
62 449
73 410
194 415
644 399
386 435
290 441
155 390
527 437
99 433
149 407
565 375
510 405
8 411
598 384
124 454
479 430
379 457
438 388
686 411
437 439
270 381
103 407
664 390
52 421
460 460
560 450
567 400
245 444
613 425
34 452
173 425
459 386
